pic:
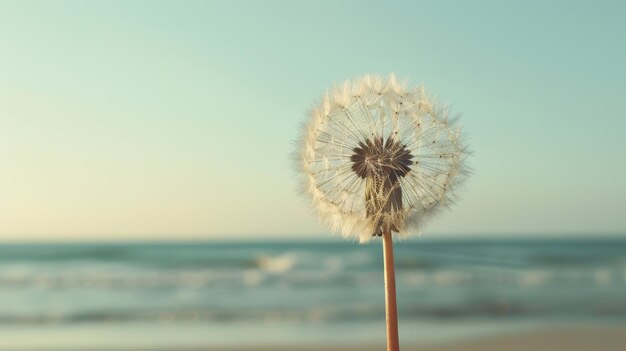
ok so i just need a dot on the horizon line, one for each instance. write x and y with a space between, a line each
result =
317 238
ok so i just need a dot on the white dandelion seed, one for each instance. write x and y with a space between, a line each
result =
377 156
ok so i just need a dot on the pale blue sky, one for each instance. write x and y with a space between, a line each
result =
175 119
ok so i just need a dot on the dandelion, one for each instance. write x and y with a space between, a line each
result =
378 157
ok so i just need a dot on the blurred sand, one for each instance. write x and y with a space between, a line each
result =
579 339
570 339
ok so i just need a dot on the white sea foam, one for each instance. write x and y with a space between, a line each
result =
276 264
533 278
450 278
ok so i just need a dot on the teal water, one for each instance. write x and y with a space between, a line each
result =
146 295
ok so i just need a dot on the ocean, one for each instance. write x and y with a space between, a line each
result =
122 296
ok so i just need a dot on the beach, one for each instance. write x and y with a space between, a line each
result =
571 339
312 175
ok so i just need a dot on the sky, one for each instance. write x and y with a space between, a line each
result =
139 120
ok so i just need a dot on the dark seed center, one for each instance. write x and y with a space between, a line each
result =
377 158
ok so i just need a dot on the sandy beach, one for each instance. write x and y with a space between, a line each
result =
596 338
575 339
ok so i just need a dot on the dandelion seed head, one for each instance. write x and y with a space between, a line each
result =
377 155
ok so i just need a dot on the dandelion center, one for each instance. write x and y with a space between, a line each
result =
377 158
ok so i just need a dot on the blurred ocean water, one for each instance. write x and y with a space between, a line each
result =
144 295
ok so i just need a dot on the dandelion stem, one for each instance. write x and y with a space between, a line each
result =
390 293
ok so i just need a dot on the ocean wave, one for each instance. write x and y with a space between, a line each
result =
285 269
314 283
347 312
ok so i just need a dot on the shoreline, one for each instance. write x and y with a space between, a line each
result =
578 338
